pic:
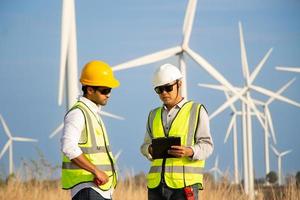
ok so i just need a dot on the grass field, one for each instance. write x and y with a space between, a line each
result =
134 188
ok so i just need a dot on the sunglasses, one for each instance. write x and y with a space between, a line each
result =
167 88
104 91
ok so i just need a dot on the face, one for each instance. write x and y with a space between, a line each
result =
98 95
169 94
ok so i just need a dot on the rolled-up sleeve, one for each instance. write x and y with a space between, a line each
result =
204 146
73 126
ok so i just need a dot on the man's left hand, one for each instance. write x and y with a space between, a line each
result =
180 151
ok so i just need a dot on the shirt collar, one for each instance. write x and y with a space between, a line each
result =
91 105
178 105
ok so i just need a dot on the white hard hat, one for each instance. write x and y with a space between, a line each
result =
165 74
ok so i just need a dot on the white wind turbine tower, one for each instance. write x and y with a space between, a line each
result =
68 77
215 169
232 126
244 95
279 155
9 144
289 69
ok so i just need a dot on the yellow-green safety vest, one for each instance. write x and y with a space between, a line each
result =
177 172
94 144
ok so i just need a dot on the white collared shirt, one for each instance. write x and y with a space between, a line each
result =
73 125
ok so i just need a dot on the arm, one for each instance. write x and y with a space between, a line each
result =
204 146
145 148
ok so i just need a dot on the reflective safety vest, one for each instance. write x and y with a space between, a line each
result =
95 147
176 172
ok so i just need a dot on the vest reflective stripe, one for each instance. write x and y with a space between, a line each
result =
71 165
177 169
91 150
95 149
178 172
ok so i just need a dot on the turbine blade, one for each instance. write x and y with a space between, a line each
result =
57 130
282 89
289 69
22 139
188 21
215 74
244 55
5 127
5 148
151 58
210 69
111 115
272 94
226 104
211 86
259 66
232 121
285 152
118 154
233 108
275 150
65 34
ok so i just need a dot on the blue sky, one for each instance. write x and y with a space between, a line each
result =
117 31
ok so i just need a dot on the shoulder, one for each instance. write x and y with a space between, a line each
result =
74 113
201 106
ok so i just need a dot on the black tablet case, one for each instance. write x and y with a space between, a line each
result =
160 146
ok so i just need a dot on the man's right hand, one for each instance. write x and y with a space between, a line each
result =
100 177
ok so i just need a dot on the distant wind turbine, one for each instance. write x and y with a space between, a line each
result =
279 155
288 69
9 144
215 169
68 76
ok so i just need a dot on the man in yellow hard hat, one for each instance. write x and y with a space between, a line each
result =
177 173
88 165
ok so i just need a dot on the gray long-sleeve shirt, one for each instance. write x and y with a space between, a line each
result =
203 146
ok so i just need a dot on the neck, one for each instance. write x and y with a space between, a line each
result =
170 106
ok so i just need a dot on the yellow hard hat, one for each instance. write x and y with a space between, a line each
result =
98 73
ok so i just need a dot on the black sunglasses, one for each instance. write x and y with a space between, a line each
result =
167 88
104 91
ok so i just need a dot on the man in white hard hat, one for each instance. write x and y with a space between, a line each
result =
179 175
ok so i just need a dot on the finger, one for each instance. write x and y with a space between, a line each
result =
176 147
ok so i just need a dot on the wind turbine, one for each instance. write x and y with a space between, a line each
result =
289 69
248 103
215 169
182 50
68 76
268 123
9 144
279 155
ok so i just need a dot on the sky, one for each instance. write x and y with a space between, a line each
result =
118 31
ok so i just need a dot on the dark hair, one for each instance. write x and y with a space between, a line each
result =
84 88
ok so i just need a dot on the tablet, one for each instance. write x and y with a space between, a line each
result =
160 146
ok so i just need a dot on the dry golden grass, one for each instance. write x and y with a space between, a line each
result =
135 189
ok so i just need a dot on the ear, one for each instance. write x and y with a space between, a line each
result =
179 83
90 90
